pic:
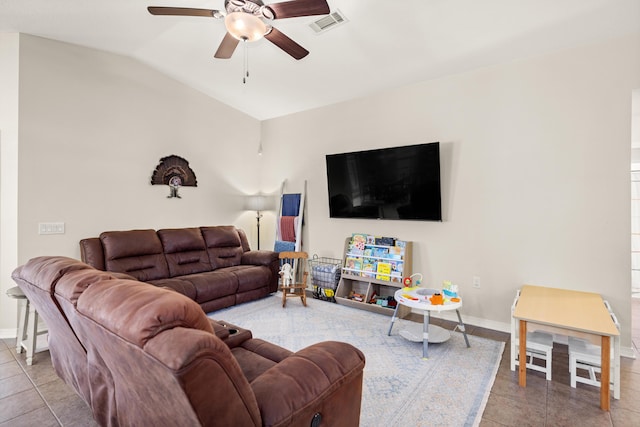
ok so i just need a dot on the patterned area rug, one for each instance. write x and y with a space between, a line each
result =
450 388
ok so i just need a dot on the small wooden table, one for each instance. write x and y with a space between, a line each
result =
570 310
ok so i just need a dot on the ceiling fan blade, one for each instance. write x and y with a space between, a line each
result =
227 46
285 43
184 11
295 8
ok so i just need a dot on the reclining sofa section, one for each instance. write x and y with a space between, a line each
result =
142 355
214 266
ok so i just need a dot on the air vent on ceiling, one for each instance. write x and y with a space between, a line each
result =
327 22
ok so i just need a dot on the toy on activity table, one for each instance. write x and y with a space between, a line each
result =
410 282
450 291
436 299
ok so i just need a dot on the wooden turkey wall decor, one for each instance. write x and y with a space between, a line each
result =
175 172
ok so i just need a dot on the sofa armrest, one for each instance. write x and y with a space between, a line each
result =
295 389
230 334
264 258
259 257
92 253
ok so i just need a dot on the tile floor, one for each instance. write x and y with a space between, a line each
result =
34 395
555 403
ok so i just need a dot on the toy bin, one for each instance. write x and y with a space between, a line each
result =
325 275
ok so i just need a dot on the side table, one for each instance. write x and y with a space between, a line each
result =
418 298
27 333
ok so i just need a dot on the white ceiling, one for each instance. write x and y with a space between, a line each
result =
385 44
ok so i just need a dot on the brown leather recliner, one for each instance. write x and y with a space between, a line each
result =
149 356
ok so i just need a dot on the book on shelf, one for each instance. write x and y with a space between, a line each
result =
358 240
396 276
385 241
397 267
396 252
381 252
354 250
368 267
353 264
383 271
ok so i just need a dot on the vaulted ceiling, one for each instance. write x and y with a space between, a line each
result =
383 44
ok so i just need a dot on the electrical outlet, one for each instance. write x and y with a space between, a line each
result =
476 282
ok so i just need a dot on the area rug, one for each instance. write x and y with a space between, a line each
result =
450 388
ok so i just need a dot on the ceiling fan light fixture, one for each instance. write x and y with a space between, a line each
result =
267 12
244 26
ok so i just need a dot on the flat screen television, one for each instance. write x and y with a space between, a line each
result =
389 183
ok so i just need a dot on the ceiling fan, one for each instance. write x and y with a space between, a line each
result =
249 20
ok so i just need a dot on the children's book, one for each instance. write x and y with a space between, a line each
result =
368 268
354 249
354 263
396 267
381 252
384 271
359 240
387 241
396 252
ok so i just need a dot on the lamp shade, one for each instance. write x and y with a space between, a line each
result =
244 26
256 202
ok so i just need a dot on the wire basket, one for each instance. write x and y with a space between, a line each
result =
325 275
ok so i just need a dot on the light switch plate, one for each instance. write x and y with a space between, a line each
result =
51 228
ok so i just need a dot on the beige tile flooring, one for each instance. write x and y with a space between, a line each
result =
35 396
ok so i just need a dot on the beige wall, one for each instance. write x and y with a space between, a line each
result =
535 170
93 126
9 53
535 161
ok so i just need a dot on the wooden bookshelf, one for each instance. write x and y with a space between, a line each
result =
356 278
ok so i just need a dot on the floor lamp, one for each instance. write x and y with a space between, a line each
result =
257 203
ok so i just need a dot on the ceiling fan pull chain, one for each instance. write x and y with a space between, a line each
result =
245 71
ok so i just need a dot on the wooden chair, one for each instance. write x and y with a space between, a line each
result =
293 279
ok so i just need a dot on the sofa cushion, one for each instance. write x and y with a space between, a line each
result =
138 312
212 285
74 283
44 272
183 287
250 277
138 253
224 246
185 251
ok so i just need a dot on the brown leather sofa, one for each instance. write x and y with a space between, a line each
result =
214 266
145 355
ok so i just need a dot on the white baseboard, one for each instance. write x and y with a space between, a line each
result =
7 333
628 352
470 320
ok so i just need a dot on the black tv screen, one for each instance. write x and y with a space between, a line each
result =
389 183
